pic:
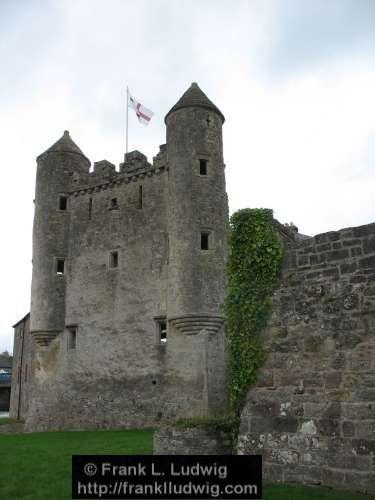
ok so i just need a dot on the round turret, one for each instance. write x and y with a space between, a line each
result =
198 233
198 218
58 169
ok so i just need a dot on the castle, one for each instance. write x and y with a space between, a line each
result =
128 281
126 328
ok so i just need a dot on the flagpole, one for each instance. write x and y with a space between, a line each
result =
127 117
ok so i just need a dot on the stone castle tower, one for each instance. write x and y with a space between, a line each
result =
128 280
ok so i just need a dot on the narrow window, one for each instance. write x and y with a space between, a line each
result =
140 197
204 240
114 205
63 203
72 337
60 267
113 260
90 208
162 326
203 167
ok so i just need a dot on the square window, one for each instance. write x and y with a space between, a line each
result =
205 236
114 205
63 203
113 260
202 167
60 267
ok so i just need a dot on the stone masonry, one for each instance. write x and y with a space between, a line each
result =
312 412
173 440
129 279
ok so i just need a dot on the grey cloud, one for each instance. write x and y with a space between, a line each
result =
307 33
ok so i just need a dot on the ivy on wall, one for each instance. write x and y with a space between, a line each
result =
255 254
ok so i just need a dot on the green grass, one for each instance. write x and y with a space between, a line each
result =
37 466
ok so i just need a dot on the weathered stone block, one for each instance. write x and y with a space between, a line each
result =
356 252
191 441
364 230
333 477
362 481
365 429
328 427
350 462
369 245
337 255
333 379
348 268
367 262
323 248
348 428
273 472
358 411
303 260
350 243
364 446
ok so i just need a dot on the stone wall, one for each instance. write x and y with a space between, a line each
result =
191 441
312 412
12 427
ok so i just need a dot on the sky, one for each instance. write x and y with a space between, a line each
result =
295 80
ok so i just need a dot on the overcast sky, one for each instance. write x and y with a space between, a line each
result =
295 80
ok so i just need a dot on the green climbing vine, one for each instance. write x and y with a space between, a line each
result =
254 261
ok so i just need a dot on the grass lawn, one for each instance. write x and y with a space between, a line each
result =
37 466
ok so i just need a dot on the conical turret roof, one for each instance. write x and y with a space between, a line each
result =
195 98
65 145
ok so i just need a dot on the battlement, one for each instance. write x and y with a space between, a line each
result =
135 168
133 162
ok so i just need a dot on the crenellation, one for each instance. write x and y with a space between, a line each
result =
103 171
133 162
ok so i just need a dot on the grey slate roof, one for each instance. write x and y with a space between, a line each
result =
21 320
195 98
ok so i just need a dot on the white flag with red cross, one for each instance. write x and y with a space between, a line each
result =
144 115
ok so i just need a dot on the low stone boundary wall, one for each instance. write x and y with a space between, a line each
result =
191 441
311 413
14 427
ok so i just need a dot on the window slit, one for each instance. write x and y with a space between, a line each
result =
204 240
90 208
